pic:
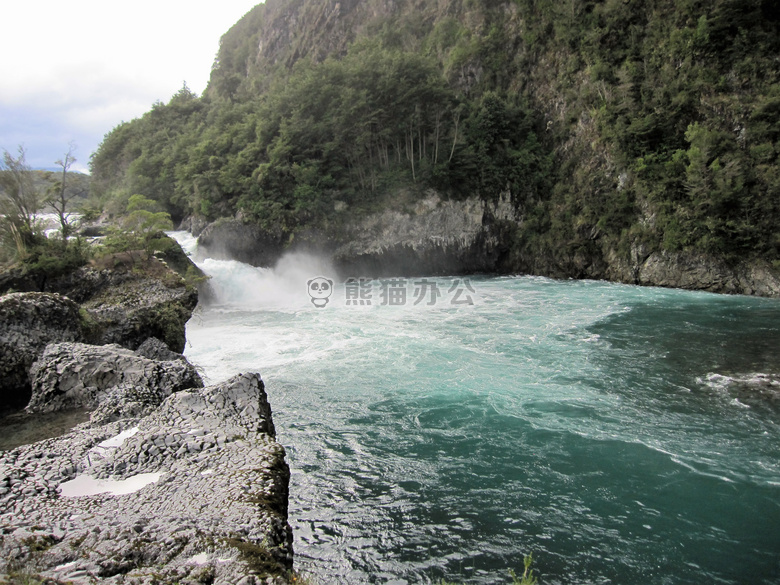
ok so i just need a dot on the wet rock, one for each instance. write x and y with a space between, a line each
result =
28 323
127 502
234 239
71 375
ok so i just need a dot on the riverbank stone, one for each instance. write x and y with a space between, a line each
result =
194 492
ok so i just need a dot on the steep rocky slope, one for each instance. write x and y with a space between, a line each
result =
631 140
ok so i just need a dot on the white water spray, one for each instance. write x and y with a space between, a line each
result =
239 285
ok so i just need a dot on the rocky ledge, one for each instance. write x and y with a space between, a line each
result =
124 300
434 236
192 491
77 375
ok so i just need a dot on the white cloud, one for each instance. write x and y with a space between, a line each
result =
74 70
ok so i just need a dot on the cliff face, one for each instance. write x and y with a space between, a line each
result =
281 32
435 238
440 237
232 239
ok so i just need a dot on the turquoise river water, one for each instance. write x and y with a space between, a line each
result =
621 434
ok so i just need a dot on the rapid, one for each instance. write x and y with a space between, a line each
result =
620 434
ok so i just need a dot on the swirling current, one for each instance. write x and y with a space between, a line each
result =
620 434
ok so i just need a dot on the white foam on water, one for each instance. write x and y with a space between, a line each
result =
186 240
236 284
720 381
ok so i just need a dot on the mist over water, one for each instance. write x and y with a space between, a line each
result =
236 284
621 434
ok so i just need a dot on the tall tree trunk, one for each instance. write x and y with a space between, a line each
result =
455 136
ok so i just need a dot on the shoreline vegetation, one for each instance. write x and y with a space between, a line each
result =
604 140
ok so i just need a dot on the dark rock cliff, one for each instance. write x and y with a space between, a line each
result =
233 239
443 237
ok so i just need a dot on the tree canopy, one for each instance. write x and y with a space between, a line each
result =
651 123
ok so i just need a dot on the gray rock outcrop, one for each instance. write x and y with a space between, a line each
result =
233 239
435 238
133 300
441 237
28 323
195 492
454 237
71 375
698 272
154 349
130 303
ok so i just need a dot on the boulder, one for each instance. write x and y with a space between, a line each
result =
73 375
195 492
131 301
233 239
28 323
154 349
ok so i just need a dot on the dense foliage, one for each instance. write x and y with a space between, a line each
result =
32 252
24 195
616 122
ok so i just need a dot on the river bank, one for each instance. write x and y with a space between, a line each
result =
440 237
132 471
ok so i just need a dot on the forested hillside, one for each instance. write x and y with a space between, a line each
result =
615 125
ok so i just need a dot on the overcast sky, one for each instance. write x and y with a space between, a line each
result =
73 70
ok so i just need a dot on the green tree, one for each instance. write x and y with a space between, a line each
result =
19 203
140 228
59 197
